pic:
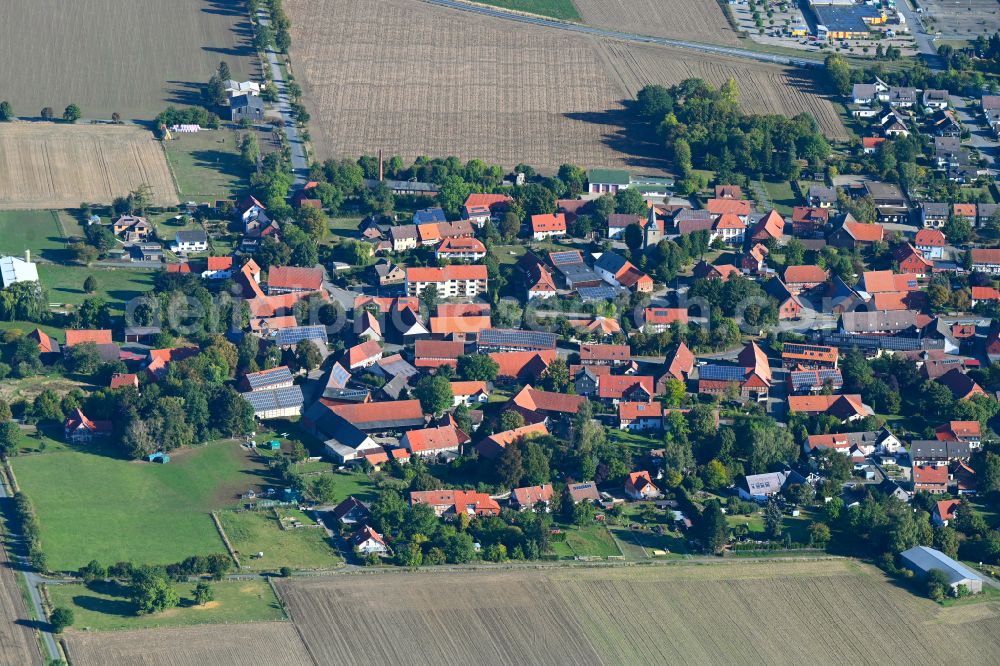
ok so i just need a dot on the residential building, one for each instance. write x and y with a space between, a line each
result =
470 393
804 278
806 356
79 429
363 355
854 235
930 479
351 511
931 243
640 486
246 107
583 492
532 498
293 279
132 228
461 249
515 340
450 281
189 242
986 260
276 403
492 447
429 354
848 407
450 503
404 237
658 319
640 416
433 442
615 355
547 226
761 487
617 271
280 377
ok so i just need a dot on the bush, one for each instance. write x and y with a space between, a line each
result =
61 618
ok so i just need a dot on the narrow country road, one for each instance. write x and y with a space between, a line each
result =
16 553
300 163
627 37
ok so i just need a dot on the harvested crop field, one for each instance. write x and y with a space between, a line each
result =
697 20
133 57
763 88
777 612
416 79
46 165
219 645
18 646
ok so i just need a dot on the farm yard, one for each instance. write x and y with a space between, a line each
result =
721 613
219 645
107 56
57 166
432 81
157 514
698 20
763 88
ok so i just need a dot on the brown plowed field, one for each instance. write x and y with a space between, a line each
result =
269 643
18 645
821 612
130 56
45 165
415 79
763 88
696 20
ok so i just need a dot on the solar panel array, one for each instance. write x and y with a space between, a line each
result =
601 293
279 375
722 373
509 337
806 379
339 376
287 337
347 394
887 342
271 399
565 258
797 348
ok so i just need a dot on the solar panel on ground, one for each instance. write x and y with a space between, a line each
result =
722 373
292 336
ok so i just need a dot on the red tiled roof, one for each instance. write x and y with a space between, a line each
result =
272 323
809 404
45 343
548 223
519 363
985 294
488 200
946 508
446 273
634 410
735 206
449 325
532 495
78 418
615 386
362 352
773 224
179 268
461 500
956 430
461 246
493 446
435 439
437 349
681 363
930 238
468 388
806 274
97 336
159 359
269 306
295 277
371 412
869 233
729 221
983 255
462 309
547 401
124 379
220 263
590 352
872 141
930 475
659 316
967 210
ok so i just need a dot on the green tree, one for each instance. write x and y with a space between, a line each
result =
819 534
10 436
772 520
90 284
682 158
633 237
510 226
313 221
510 420
674 393
715 475
307 355
630 202
556 376
535 463
202 593
6 112
434 393
61 618
712 527
510 466
936 584
957 229
71 114
429 297
479 367
152 593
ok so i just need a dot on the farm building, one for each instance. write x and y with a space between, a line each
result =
276 403
13 269
922 560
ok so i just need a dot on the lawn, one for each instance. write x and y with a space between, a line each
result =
754 521
782 196
206 165
592 541
639 444
92 506
299 548
560 9
116 286
104 605
35 230
344 227
640 544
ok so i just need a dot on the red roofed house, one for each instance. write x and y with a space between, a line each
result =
855 234
659 319
546 226
492 447
739 207
183 267
960 431
99 337
931 242
870 144
912 261
678 365
707 271
122 379
81 430
930 479
986 260
984 295
537 405
450 281
369 542
480 207
461 249
523 366
160 359
434 441
435 353
730 227
218 268
470 393
962 386
848 407
450 503
770 227
641 487
363 355
640 416
631 388
291 279
46 345
531 496
605 354
944 511
803 278
966 210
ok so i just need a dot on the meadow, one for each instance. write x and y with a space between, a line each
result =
92 506
206 165
35 230
252 532
117 286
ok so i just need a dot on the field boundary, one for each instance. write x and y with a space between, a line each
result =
225 540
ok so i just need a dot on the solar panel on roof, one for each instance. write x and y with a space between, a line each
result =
796 348
597 293
292 336
505 337
722 373
280 398
340 375
258 380
809 378
889 342
564 258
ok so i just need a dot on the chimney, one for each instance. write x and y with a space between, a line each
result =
381 169
27 256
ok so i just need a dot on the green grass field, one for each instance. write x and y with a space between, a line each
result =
116 286
592 541
206 165
640 545
35 230
95 507
782 196
104 606
638 443
298 548
343 227
560 9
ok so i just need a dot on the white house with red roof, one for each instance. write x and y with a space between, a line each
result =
640 486
531 497
79 429
931 242
547 226
369 542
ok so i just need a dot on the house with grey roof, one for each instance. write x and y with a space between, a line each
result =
921 560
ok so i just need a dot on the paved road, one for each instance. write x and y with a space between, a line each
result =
925 42
627 37
980 138
300 163
33 581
